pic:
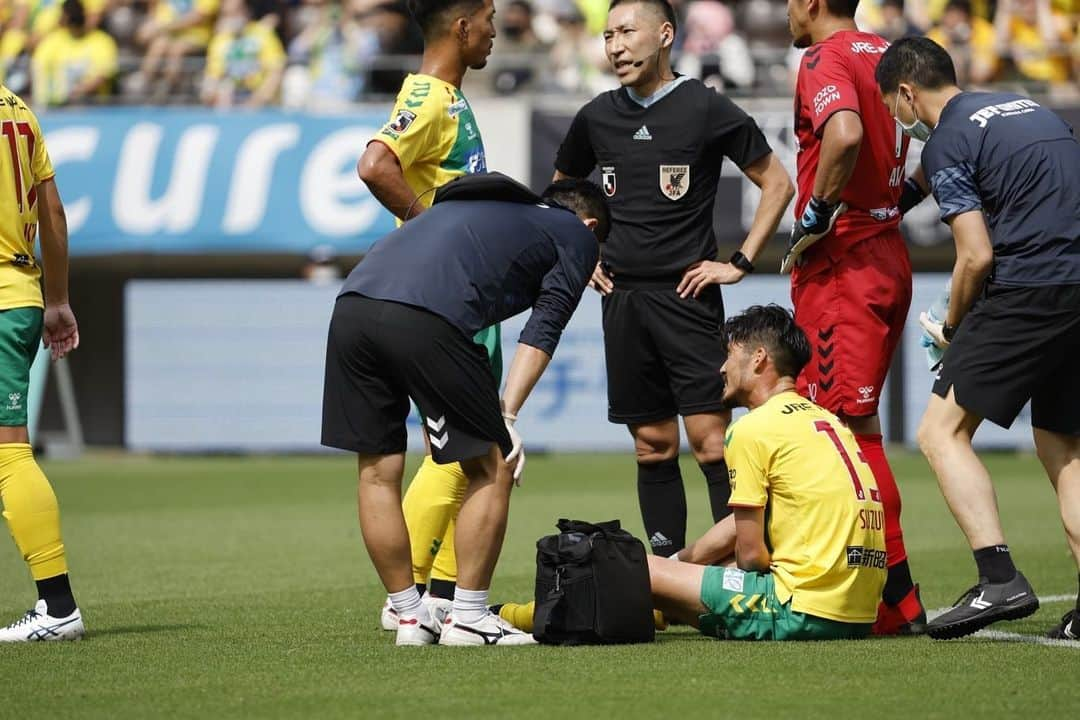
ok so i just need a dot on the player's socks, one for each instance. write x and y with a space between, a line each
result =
662 498
995 563
31 511
56 592
442 588
1078 593
433 498
719 484
874 453
517 614
470 606
898 583
407 605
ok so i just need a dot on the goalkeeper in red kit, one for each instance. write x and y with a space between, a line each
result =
851 275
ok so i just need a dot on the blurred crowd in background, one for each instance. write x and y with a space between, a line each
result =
329 54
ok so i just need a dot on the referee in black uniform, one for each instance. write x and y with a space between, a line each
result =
659 142
1005 172
397 334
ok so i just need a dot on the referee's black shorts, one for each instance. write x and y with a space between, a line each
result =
1018 344
663 352
379 354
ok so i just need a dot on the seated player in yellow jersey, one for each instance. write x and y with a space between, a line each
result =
431 138
28 196
805 547
74 63
245 61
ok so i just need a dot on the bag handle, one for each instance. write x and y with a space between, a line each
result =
545 607
604 528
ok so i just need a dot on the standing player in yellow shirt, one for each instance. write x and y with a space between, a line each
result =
807 535
28 196
432 138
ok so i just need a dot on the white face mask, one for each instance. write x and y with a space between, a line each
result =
918 129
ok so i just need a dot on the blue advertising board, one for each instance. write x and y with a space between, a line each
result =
196 181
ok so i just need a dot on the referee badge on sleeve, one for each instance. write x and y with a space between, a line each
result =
674 180
607 180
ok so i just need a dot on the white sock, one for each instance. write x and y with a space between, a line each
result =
470 606
408 605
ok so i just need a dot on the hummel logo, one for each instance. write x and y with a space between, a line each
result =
642 134
434 426
980 604
659 540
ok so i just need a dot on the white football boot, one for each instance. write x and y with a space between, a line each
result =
413 631
38 626
438 607
492 630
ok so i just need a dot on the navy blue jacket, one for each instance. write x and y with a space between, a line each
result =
477 263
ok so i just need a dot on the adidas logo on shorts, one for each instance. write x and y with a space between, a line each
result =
659 540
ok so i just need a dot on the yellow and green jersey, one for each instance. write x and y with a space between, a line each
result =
63 61
166 11
434 135
24 164
824 519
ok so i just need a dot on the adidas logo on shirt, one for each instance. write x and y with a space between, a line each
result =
658 540
642 134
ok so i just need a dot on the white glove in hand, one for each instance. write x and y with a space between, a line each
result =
934 330
517 451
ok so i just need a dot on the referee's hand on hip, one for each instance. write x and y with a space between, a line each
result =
601 281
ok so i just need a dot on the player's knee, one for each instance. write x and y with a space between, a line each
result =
653 450
708 449
929 435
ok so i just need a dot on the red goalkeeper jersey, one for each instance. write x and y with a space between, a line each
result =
838 74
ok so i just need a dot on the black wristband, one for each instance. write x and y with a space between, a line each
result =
742 262
947 331
910 196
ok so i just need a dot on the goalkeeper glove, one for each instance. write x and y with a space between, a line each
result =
817 221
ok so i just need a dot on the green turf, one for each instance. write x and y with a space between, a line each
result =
235 587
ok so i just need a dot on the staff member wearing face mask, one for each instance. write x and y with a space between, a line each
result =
1004 171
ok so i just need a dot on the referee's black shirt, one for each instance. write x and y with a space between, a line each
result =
659 167
478 263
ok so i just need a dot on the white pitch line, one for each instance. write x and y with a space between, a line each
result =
1002 636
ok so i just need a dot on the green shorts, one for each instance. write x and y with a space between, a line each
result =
745 607
491 339
20 338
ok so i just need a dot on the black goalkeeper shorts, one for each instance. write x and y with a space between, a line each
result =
1018 344
379 354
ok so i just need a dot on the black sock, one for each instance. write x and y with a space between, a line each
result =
442 588
56 592
1078 594
995 563
716 477
663 506
421 588
898 584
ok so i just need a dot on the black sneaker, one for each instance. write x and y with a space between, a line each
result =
1069 629
984 604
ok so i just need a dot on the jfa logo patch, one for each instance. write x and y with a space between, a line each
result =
674 180
607 180
733 579
402 121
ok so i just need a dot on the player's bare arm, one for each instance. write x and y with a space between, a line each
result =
716 546
776 193
751 552
380 170
974 258
840 142
61 331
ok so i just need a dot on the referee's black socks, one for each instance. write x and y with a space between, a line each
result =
716 477
663 505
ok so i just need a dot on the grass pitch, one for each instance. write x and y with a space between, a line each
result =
239 587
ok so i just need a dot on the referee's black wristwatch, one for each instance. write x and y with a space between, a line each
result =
947 331
742 262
